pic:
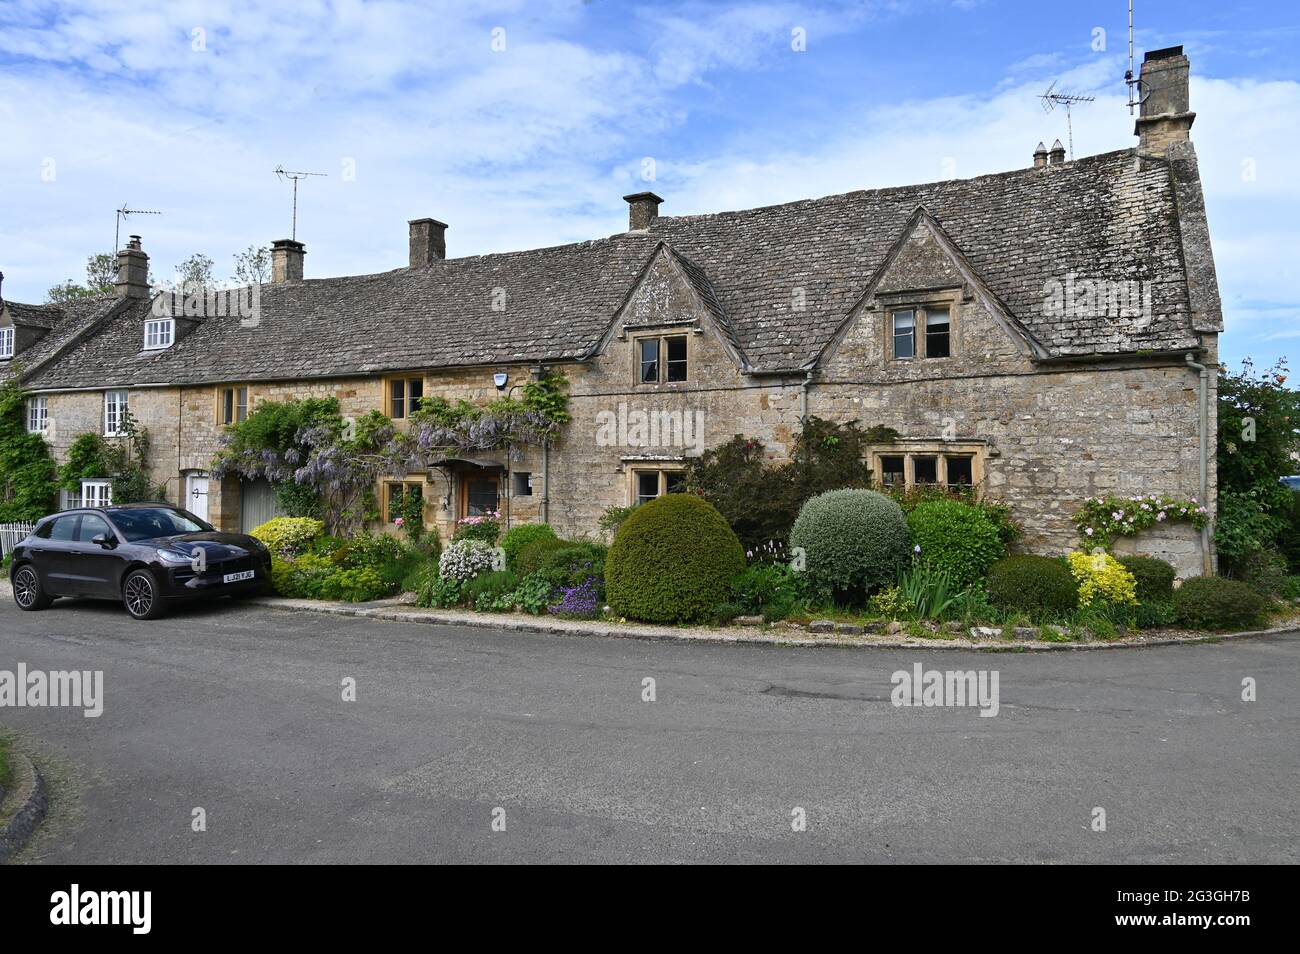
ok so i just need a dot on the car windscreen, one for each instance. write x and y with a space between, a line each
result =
147 523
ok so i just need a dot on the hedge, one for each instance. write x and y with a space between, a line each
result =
1213 602
956 537
1038 586
517 538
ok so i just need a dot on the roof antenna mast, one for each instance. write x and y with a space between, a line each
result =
1136 96
295 176
1051 99
123 213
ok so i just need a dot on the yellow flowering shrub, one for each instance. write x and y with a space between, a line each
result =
1101 576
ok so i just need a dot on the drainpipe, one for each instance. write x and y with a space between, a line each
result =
546 481
1207 564
803 398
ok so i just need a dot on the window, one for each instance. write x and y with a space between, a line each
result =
936 333
649 484
910 463
523 485
481 496
649 361
394 494
232 405
661 359
904 333
91 527
69 499
892 471
158 333
7 342
38 415
930 326
960 473
115 412
96 493
404 396
64 529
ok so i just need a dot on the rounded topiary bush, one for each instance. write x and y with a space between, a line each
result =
854 542
1154 578
1039 586
956 537
672 561
1212 602
288 535
517 538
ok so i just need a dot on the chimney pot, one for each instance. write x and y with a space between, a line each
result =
428 242
132 270
286 261
643 209
1165 111
1040 156
1057 155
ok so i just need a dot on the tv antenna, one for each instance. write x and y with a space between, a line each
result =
1136 95
123 213
1051 99
295 176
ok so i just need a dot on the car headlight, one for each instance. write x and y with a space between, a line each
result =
173 558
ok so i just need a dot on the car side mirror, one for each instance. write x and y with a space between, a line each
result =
104 540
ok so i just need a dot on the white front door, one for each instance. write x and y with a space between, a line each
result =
196 495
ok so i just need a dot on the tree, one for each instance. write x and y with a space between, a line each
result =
195 272
28 485
253 265
101 279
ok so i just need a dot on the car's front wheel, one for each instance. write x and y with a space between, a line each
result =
140 595
28 592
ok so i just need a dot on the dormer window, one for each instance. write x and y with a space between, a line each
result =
6 342
158 333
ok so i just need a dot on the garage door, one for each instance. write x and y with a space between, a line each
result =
256 504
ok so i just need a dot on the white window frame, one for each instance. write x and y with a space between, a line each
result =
96 493
38 414
116 407
159 333
6 342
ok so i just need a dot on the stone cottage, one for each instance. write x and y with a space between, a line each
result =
1044 335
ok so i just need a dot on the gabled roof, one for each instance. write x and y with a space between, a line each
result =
66 325
1111 216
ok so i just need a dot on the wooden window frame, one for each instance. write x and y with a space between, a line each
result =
387 489
920 309
407 407
661 339
221 404
634 481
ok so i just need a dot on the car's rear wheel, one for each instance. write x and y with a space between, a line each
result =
140 595
28 592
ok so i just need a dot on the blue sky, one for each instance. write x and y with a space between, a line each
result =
187 107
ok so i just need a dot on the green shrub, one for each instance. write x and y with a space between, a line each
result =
288 535
955 537
531 555
517 538
1041 587
533 594
928 593
1213 602
369 550
1154 578
765 585
1263 571
354 585
1148 615
574 564
439 592
854 542
1290 588
492 591
672 561
419 576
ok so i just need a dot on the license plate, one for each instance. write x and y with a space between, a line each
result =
241 575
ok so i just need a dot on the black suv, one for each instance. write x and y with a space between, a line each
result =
144 554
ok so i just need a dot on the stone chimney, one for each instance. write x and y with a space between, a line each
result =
643 209
1040 156
132 270
1057 155
428 242
286 261
1165 115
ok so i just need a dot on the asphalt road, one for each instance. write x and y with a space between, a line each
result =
239 711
